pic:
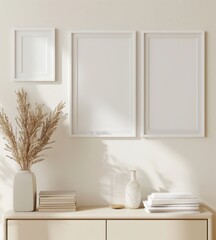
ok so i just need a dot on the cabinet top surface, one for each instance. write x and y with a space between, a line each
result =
106 213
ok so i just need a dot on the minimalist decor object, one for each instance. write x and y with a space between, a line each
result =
34 54
26 146
24 191
103 86
173 84
133 192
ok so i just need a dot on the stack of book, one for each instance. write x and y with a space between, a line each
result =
172 202
57 201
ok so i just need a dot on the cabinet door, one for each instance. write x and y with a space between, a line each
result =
157 230
56 230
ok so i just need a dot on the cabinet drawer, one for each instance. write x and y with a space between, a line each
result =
56 229
157 229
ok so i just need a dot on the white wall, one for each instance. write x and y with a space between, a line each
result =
88 165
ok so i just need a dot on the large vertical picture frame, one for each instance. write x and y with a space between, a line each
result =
173 84
103 84
34 54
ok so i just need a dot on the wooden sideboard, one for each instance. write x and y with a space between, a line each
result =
107 224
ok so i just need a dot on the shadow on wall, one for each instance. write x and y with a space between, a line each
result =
121 172
75 164
86 166
7 172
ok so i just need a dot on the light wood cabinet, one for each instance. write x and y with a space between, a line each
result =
107 224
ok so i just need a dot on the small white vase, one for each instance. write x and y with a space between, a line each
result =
24 192
133 192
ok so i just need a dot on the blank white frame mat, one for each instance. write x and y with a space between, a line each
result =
34 54
173 84
103 82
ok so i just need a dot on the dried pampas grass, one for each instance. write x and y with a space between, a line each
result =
26 146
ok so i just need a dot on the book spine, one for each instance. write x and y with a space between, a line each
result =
172 195
172 201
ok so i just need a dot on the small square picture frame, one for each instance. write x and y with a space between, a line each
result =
34 54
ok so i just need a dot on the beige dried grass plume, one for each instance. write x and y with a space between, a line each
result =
35 129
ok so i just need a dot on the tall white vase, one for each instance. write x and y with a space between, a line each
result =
24 192
133 192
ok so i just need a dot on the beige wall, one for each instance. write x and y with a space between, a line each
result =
88 165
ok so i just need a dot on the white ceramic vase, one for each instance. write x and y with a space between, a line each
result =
133 192
24 191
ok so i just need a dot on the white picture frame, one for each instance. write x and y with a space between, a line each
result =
173 84
103 84
33 54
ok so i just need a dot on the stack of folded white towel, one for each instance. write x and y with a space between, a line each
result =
180 202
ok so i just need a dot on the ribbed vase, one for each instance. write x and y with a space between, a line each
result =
132 192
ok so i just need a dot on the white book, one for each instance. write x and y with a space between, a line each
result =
173 211
172 195
171 207
155 202
176 205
